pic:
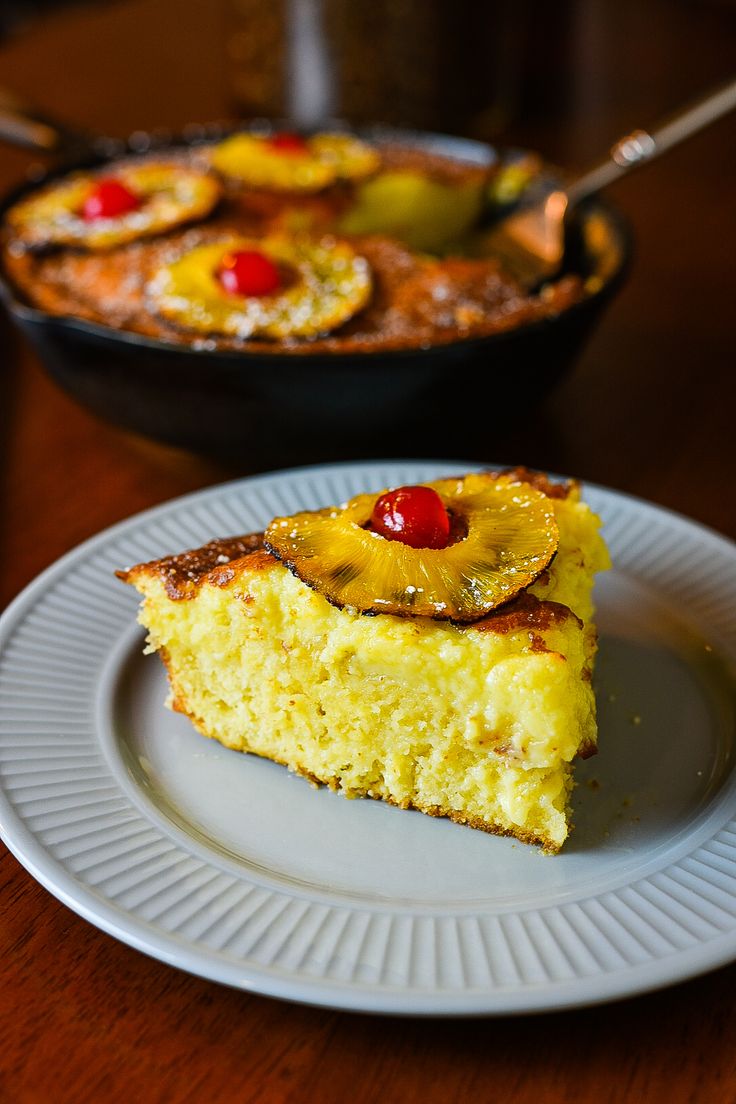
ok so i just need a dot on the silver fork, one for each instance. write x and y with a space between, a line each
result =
530 242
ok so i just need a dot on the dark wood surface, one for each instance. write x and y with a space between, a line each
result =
649 410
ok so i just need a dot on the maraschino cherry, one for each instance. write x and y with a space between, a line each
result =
286 142
248 272
413 515
109 199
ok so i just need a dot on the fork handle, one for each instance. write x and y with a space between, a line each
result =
643 145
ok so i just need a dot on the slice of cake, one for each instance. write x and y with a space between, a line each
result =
432 646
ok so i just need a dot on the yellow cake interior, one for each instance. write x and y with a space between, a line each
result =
477 722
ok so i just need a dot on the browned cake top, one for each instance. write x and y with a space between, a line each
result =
183 573
414 300
537 479
220 560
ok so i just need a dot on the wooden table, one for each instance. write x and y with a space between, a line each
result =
649 410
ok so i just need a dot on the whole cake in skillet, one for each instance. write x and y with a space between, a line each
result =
432 646
273 242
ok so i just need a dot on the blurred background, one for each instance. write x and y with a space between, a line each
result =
566 79
572 73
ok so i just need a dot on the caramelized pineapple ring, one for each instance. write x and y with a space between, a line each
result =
324 283
510 537
309 166
169 195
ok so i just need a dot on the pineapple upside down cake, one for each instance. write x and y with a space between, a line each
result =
430 645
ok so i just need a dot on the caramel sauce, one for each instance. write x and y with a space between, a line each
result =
538 480
526 612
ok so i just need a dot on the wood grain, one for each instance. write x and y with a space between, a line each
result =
649 410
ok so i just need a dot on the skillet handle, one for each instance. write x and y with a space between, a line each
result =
22 124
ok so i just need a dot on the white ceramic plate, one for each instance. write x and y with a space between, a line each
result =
231 868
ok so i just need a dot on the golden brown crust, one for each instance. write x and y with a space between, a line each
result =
537 479
183 573
259 560
525 612
547 845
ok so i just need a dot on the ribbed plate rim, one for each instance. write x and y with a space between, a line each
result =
287 984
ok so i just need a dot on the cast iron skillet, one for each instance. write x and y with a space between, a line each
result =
285 408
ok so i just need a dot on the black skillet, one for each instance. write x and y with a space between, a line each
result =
277 407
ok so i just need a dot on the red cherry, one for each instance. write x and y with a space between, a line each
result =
286 142
108 199
413 515
248 272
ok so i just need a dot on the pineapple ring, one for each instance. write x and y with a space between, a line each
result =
171 195
331 283
511 538
349 157
251 159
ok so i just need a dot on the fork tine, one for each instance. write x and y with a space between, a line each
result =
530 243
